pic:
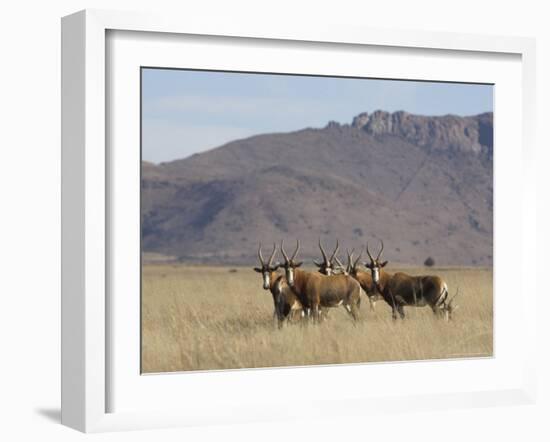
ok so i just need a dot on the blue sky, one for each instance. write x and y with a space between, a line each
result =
185 112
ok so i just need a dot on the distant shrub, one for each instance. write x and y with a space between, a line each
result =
233 270
429 262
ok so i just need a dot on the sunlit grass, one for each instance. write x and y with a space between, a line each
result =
199 318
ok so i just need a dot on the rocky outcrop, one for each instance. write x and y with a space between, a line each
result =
448 132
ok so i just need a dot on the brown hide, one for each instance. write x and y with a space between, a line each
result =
285 301
400 289
367 284
315 290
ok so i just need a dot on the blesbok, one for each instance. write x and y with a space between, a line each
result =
400 289
286 303
326 267
316 291
364 278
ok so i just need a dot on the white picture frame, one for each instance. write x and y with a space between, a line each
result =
87 206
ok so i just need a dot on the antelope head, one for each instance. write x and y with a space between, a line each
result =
290 264
375 265
340 269
351 267
447 308
266 268
352 270
327 266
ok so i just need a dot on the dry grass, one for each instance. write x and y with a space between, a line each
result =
200 318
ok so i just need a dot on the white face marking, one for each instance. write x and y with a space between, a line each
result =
376 274
290 276
266 280
341 302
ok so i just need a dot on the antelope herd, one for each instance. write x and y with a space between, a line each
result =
299 293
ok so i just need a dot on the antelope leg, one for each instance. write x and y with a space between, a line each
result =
315 313
352 310
401 311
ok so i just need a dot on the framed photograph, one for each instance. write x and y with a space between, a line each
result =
249 212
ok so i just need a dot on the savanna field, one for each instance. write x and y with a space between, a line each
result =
203 318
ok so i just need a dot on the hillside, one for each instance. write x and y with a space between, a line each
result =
423 184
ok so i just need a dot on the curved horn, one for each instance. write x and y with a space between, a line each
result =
358 258
452 299
350 255
350 258
297 249
260 254
323 251
272 255
368 252
382 248
335 251
338 262
283 251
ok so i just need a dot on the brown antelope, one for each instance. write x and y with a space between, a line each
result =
400 290
315 290
364 278
327 266
286 303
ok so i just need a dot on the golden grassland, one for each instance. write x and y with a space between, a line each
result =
202 318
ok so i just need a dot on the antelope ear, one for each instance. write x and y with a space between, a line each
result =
383 264
256 269
316 263
299 264
367 265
